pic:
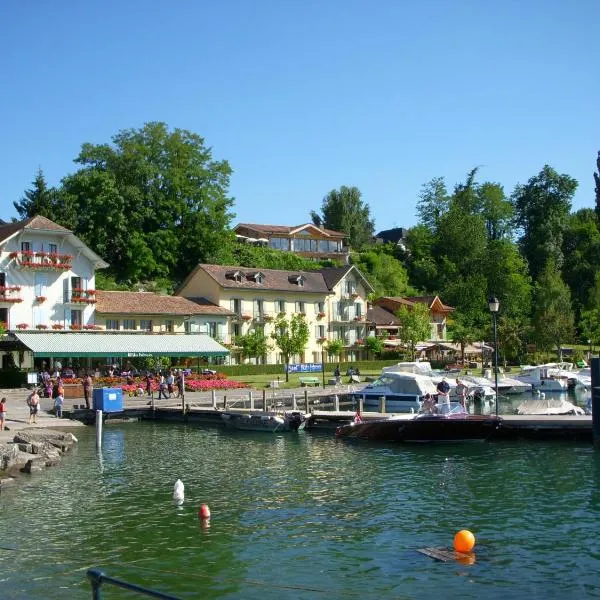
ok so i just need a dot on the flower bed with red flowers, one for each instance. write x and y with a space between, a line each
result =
193 383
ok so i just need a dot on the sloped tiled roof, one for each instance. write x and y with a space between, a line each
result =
380 316
273 279
37 222
285 229
428 300
148 303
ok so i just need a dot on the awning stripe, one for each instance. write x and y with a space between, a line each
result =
120 344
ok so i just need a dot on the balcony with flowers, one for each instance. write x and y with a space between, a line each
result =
246 317
320 315
81 296
28 259
10 293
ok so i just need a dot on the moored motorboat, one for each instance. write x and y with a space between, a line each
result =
403 391
544 378
264 421
445 423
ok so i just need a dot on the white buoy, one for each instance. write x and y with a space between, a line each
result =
178 490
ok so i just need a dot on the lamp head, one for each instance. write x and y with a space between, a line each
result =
494 304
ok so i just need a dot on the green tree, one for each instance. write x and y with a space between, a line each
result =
553 317
153 203
433 203
373 345
38 200
414 325
463 331
290 336
581 249
344 210
386 274
597 185
542 208
335 348
254 344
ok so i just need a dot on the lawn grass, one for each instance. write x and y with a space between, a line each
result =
261 381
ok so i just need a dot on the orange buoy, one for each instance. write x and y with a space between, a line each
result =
464 541
204 512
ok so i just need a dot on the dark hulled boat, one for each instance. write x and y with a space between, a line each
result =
445 423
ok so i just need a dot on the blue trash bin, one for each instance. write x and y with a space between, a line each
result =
108 399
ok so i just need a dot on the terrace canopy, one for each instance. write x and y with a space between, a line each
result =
130 345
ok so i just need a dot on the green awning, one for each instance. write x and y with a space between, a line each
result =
131 345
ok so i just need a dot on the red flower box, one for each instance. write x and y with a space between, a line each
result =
22 326
75 327
58 326
41 326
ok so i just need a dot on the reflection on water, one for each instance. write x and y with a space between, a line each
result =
303 516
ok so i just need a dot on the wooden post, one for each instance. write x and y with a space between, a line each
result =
306 402
361 404
336 403
98 430
251 398
264 400
214 399
595 369
381 404
224 402
294 405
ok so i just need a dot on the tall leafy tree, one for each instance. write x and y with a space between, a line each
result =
581 249
385 273
344 210
542 208
597 185
414 325
254 344
463 331
291 336
160 197
38 200
433 202
553 317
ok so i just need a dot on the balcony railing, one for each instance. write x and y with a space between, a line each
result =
10 293
28 259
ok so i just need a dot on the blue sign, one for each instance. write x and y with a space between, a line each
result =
304 368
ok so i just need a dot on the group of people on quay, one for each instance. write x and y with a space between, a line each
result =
51 383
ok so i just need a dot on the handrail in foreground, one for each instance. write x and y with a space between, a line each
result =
97 578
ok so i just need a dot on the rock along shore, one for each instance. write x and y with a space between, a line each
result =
30 448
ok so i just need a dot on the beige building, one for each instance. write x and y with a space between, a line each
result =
306 240
153 313
332 299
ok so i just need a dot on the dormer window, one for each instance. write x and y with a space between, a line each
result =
297 279
235 276
257 277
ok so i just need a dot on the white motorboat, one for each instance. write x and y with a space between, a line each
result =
403 391
544 378
551 406
511 385
264 421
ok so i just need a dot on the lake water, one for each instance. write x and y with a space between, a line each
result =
304 516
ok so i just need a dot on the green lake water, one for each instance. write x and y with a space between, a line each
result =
303 516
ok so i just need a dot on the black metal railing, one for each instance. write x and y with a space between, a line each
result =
97 578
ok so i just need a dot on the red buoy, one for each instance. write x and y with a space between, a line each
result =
204 512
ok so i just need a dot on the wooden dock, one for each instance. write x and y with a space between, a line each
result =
527 427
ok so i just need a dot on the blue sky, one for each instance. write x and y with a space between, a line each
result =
305 96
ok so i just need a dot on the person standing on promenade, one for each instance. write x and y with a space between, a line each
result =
170 383
58 405
149 390
336 374
87 390
2 413
162 387
34 406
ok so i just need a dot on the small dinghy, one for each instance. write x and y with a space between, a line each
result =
270 422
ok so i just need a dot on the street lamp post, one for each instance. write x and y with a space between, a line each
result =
590 343
494 305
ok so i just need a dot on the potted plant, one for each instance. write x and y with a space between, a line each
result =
41 326
22 325
40 299
75 327
58 326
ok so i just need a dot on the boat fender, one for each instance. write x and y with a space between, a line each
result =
204 512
